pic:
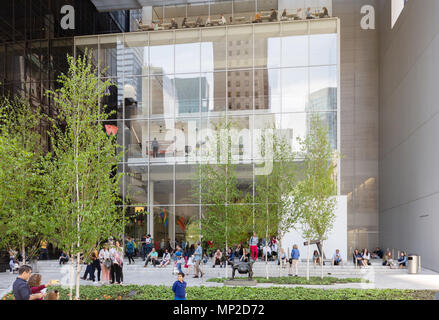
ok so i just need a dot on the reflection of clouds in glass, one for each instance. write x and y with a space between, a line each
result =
273 52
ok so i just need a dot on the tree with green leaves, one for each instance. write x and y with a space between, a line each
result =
226 216
21 190
83 180
274 214
314 195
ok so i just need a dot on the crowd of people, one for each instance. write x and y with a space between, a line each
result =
258 18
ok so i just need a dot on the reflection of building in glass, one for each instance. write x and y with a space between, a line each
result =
188 92
324 102
253 88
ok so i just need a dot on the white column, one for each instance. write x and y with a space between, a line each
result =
150 227
147 15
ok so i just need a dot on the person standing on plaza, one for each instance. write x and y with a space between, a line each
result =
130 250
105 260
295 254
21 289
254 246
143 243
44 250
116 254
179 258
179 287
198 255
149 243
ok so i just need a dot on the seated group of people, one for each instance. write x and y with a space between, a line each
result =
307 14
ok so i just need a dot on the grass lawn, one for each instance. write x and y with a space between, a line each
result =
133 292
298 280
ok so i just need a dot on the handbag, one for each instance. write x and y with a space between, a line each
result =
107 263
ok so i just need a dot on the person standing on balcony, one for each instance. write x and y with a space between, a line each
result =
155 148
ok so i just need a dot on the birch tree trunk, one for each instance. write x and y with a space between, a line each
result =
71 278
78 275
307 260
279 257
321 262
23 251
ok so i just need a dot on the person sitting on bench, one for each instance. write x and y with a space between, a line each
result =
217 258
336 258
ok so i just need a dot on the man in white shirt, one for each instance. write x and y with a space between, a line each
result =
337 258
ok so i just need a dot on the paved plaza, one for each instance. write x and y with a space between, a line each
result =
379 277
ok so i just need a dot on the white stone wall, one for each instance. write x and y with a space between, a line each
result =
337 239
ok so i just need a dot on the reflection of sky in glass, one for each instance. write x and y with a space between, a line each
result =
296 124
295 51
206 56
323 77
323 49
273 52
187 57
294 89
162 57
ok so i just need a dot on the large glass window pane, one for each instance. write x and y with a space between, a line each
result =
161 53
241 139
323 89
267 46
164 227
296 126
240 89
187 51
262 125
136 140
213 49
244 177
162 93
136 54
268 91
187 225
240 47
323 49
187 139
161 140
136 97
213 92
187 94
137 225
294 83
186 184
161 184
295 51
110 53
136 184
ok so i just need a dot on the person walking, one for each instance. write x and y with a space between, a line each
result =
198 255
105 260
254 246
155 148
149 244
130 250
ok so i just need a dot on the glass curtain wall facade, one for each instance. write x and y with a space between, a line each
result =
172 85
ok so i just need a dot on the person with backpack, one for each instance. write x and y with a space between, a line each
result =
130 250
